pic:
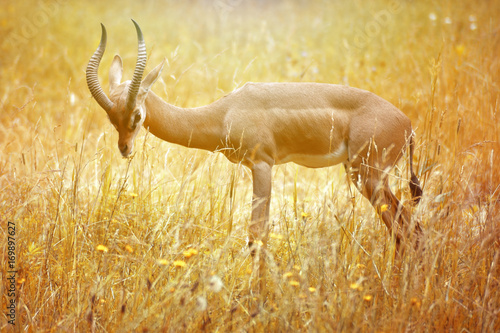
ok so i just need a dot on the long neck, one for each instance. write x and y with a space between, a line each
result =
195 128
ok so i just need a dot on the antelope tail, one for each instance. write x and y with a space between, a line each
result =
415 188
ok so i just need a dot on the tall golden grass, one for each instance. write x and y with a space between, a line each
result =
157 242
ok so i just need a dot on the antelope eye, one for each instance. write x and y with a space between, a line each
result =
136 120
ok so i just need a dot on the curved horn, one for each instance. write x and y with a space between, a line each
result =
139 69
93 80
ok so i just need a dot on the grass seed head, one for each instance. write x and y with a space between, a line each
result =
201 303
215 284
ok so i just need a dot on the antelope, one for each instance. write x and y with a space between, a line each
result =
264 124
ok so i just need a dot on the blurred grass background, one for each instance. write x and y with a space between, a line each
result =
158 242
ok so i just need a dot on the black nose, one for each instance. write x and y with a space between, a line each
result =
124 149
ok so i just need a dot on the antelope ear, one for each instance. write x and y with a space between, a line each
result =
152 76
115 72
149 80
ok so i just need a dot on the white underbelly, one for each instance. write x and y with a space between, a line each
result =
318 160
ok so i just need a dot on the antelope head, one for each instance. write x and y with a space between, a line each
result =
125 105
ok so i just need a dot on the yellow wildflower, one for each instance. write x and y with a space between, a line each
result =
102 248
190 252
275 236
162 262
179 263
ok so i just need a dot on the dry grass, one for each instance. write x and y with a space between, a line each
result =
158 242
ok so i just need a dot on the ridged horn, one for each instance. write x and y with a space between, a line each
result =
92 79
139 69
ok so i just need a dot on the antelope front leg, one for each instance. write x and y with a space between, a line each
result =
262 179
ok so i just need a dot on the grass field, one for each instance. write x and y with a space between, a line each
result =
158 242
